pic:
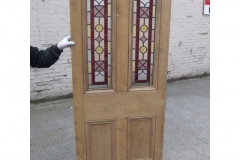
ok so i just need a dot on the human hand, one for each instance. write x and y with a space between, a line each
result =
66 42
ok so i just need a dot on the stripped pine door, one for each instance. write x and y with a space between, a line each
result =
119 69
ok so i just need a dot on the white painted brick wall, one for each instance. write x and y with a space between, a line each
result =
189 48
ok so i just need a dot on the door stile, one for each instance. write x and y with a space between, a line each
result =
78 76
165 12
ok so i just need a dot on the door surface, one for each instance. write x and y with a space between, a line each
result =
119 66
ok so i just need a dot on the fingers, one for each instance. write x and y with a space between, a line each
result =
68 38
71 43
66 42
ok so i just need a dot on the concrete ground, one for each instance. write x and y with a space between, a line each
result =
186 134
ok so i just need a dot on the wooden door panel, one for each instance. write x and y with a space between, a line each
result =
141 133
101 140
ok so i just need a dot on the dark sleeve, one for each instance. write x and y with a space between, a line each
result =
44 58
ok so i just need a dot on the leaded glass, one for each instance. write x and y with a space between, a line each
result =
143 41
99 43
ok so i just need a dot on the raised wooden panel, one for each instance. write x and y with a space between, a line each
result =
141 133
101 140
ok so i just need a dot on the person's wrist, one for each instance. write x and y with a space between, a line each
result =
59 48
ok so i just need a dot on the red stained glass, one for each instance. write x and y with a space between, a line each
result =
99 39
143 40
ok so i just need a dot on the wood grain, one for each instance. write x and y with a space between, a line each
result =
165 11
141 133
121 139
101 140
84 46
121 104
114 43
77 76
122 45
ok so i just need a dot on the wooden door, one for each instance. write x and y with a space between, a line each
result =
119 70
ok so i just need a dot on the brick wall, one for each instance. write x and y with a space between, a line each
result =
189 48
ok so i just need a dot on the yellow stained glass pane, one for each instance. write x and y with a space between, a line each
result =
153 11
89 30
89 67
133 66
134 31
143 49
109 47
99 50
99 28
152 47
109 9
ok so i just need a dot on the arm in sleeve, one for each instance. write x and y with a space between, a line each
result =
44 58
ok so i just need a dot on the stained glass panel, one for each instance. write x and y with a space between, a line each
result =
143 41
99 43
